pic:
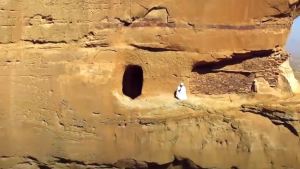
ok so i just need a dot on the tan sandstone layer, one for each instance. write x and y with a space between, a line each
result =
62 76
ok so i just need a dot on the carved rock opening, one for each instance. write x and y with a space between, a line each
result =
133 79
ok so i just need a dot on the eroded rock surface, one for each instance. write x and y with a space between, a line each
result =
278 114
62 99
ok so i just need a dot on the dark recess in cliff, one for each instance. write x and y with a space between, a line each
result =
133 81
236 58
237 74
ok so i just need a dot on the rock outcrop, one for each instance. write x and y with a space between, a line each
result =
90 84
278 114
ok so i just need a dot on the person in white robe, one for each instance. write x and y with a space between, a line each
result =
181 92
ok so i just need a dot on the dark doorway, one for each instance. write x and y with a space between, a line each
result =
133 79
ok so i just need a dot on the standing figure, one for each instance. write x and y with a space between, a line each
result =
181 92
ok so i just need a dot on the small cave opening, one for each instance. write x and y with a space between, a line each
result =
292 46
133 79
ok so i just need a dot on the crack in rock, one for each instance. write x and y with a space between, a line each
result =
290 120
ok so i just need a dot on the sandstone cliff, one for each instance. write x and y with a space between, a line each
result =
90 83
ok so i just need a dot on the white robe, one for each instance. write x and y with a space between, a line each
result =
181 93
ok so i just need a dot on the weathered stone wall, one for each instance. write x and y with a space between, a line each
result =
61 73
237 75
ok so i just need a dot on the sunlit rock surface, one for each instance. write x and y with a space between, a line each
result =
90 84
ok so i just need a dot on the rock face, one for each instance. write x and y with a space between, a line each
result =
90 84
280 115
237 75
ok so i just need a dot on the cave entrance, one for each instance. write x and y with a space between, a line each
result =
292 46
133 79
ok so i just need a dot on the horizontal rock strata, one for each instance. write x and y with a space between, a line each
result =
62 69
